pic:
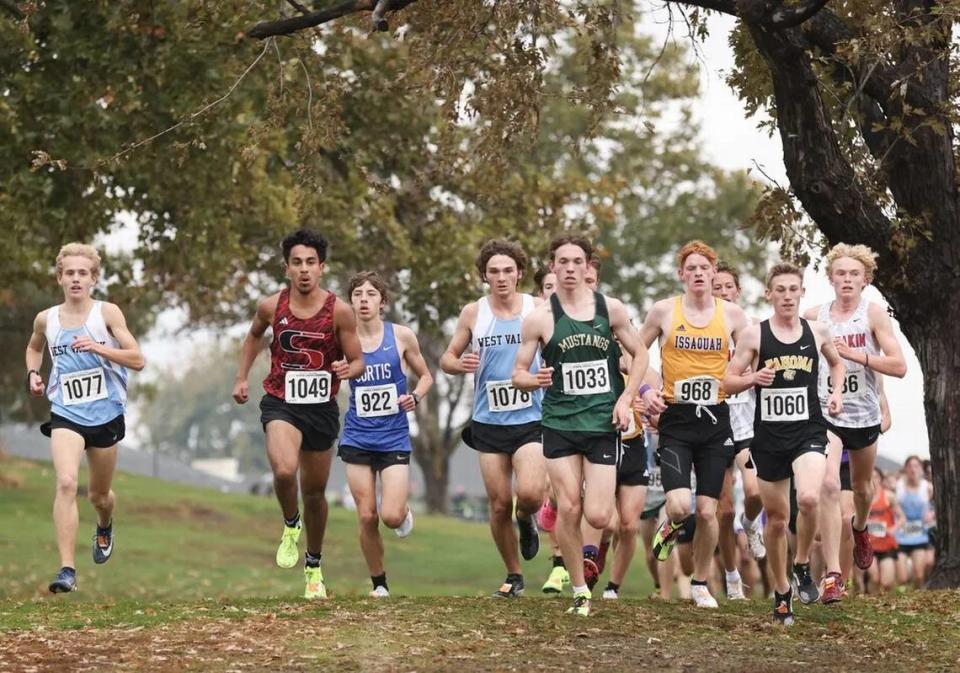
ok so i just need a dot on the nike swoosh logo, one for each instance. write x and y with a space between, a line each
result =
607 456
804 347
386 348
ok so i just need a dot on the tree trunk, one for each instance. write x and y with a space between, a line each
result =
938 348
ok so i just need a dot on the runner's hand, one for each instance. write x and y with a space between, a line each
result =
623 413
654 401
764 377
470 362
545 377
843 350
35 384
241 391
340 368
406 402
85 344
835 404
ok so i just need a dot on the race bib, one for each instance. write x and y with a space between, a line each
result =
586 378
307 387
697 390
854 383
655 482
877 528
779 405
740 398
81 387
502 397
912 529
372 401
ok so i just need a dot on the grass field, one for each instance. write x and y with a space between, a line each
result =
193 587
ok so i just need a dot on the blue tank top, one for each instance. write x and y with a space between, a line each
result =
375 421
496 340
915 505
84 388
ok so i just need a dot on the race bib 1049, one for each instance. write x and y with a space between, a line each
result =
372 401
84 386
781 405
307 387
703 390
502 397
586 378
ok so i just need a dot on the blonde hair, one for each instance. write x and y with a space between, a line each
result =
696 247
859 252
79 250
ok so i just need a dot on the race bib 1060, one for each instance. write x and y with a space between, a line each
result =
307 387
586 378
372 401
502 397
81 387
781 405
703 390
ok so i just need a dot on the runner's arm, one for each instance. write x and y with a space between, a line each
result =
453 360
898 516
739 376
892 362
838 371
251 346
414 359
345 324
885 420
629 340
523 379
737 319
128 354
34 355
650 330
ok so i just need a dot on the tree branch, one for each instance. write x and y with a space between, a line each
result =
311 20
777 15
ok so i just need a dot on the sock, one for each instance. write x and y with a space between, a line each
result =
581 590
70 570
105 530
733 576
749 524
777 597
590 551
380 581
698 583
798 567
558 562
292 522
612 586
514 578
311 560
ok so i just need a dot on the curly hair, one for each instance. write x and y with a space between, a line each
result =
859 252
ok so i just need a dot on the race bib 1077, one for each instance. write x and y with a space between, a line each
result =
82 387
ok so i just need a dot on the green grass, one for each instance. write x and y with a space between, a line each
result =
182 543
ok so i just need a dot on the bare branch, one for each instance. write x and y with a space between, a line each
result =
311 20
380 16
786 16
297 6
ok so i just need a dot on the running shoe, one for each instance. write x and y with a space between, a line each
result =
103 544
591 573
783 608
862 549
556 581
547 516
665 539
407 526
379 592
315 587
581 605
700 594
511 588
529 537
735 591
287 552
602 556
803 584
66 580
611 594
754 538
832 589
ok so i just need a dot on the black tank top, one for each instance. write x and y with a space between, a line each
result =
788 409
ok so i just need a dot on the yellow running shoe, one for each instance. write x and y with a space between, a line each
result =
287 553
315 587
556 581
581 605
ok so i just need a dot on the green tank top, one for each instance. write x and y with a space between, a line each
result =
586 371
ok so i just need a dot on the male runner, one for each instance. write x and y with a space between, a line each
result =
91 350
314 347
583 407
726 285
505 430
695 331
376 434
864 337
779 356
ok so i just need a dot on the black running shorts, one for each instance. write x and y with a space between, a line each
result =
94 436
632 470
319 424
701 440
377 460
600 448
490 438
854 439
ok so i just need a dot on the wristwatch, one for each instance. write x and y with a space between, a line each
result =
416 399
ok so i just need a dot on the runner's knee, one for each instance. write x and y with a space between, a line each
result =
807 503
67 486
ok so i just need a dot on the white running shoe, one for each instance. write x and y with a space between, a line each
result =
754 538
735 591
701 597
610 594
379 592
407 526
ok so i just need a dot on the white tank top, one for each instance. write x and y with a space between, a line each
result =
861 397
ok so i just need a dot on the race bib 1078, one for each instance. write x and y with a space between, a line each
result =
503 397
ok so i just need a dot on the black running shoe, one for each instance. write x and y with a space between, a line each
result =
511 588
803 585
64 582
103 544
783 608
529 537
